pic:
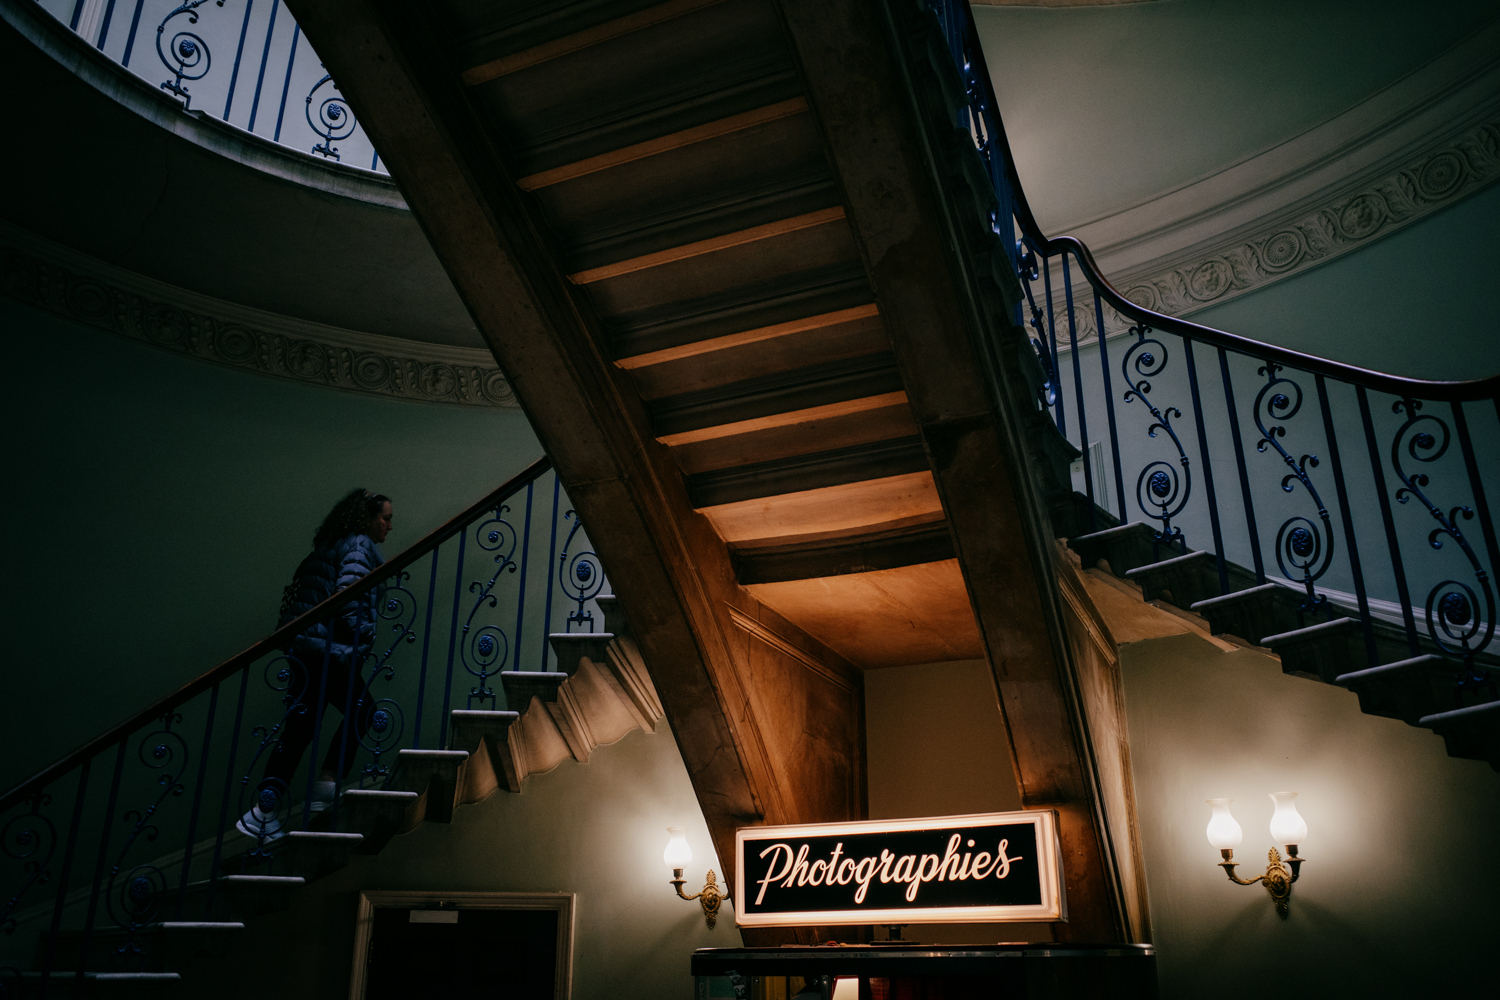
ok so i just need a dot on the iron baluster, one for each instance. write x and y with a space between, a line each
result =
1232 410
416 731
1476 485
49 952
286 82
1208 469
458 596
265 55
192 832
133 901
239 53
1347 514
1402 590
1109 406
1301 545
1028 272
486 650
234 743
1059 411
551 555
1158 479
1453 610
103 862
382 717
186 55
525 561
29 838
135 23
1083 424
587 581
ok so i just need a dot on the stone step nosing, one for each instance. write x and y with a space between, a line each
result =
1459 714
1237 596
1110 534
1173 562
1399 666
1310 632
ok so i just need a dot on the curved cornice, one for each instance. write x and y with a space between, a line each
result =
1416 147
132 92
43 274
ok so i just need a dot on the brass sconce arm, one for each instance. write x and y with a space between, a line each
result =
710 897
1278 878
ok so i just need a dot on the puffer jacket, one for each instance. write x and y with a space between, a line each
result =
349 634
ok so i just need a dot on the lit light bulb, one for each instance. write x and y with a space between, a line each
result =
1223 832
1287 825
678 854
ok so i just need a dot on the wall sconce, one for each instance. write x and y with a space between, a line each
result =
677 856
1287 828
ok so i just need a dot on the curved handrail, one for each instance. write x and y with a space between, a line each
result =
273 641
1447 391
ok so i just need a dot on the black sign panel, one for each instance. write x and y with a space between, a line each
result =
999 866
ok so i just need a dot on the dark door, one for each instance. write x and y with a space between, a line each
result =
510 954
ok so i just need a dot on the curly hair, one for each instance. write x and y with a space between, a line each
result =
350 516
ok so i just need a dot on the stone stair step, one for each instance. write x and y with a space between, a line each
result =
1255 612
313 854
434 776
1405 690
523 685
570 647
1472 733
485 736
66 985
238 897
614 614
1322 652
1181 580
1124 548
164 946
375 814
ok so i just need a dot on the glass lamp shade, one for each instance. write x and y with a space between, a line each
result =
1223 832
678 854
1287 825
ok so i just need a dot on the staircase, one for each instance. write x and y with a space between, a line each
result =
1456 700
602 692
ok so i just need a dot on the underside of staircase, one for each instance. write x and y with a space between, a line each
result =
602 693
737 260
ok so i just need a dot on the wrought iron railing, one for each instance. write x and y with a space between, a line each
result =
138 826
1363 493
242 61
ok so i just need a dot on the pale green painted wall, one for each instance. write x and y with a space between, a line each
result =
1109 106
1396 898
157 505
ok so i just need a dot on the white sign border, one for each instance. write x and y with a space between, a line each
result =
1053 907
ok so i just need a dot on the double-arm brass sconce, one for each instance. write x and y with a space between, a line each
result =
677 856
1287 827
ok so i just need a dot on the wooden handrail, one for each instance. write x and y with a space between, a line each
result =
276 640
1396 385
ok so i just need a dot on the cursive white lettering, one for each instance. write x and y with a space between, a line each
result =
779 849
949 867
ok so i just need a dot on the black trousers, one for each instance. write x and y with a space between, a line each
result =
297 732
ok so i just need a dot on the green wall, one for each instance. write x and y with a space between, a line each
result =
157 506
1396 898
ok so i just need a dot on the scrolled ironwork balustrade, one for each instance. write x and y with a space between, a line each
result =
1336 555
178 796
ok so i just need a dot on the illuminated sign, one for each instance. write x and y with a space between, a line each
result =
990 867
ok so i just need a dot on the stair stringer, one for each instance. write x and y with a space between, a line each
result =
597 705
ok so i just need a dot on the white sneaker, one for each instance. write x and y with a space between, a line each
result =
262 826
323 794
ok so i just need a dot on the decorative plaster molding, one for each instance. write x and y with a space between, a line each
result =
72 285
1411 149
1281 246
